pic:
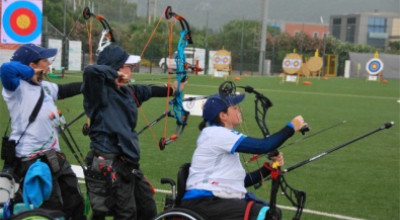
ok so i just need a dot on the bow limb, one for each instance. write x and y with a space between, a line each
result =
107 36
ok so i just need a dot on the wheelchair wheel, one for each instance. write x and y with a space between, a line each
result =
178 214
38 214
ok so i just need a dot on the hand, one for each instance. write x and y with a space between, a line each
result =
122 79
278 159
298 122
38 76
175 86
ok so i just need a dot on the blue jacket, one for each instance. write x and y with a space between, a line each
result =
113 111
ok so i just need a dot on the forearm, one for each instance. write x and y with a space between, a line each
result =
266 145
161 91
256 176
69 89
95 80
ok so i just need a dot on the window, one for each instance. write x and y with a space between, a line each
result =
377 35
377 24
337 21
336 27
315 34
351 30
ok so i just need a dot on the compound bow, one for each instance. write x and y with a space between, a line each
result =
180 113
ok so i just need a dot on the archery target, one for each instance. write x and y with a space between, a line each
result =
291 63
374 66
217 60
21 21
225 60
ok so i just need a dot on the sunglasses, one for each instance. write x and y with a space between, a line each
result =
131 66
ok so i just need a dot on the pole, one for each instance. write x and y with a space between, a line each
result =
241 47
263 37
304 162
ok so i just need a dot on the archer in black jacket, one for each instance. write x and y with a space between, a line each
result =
112 108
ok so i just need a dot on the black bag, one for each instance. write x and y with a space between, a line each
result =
8 150
98 190
99 186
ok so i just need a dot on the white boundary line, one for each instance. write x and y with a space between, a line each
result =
295 92
320 213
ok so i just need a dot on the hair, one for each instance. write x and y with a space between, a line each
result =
216 121
37 61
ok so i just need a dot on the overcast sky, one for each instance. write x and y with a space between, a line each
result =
222 11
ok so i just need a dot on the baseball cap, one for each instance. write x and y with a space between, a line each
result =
28 53
133 59
216 104
115 57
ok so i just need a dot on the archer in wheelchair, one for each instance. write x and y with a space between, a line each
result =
216 180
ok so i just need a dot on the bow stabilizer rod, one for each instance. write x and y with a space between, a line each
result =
304 162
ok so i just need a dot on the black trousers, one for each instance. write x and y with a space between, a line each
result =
131 192
66 194
213 208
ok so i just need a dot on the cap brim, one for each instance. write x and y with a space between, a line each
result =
47 53
132 59
237 99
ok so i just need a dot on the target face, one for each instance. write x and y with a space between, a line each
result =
374 66
225 60
21 22
291 63
217 60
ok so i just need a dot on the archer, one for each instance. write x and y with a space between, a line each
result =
217 180
114 158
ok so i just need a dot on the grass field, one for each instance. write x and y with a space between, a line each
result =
361 180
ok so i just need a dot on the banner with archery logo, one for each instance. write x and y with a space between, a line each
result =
21 21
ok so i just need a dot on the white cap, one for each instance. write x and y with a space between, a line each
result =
133 59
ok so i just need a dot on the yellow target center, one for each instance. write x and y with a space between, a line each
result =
374 66
23 21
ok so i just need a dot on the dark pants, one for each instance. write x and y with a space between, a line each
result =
66 194
214 208
131 193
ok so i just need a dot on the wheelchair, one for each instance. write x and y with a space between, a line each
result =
11 207
172 211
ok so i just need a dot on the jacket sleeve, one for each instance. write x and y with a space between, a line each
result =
69 90
266 145
12 72
161 91
96 78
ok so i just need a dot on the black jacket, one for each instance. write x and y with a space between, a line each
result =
113 111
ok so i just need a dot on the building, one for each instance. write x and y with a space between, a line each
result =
376 29
312 30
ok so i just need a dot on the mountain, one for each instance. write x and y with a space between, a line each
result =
222 11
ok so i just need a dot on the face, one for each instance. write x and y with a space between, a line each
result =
127 69
233 117
41 69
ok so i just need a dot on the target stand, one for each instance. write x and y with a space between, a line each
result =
374 68
222 63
